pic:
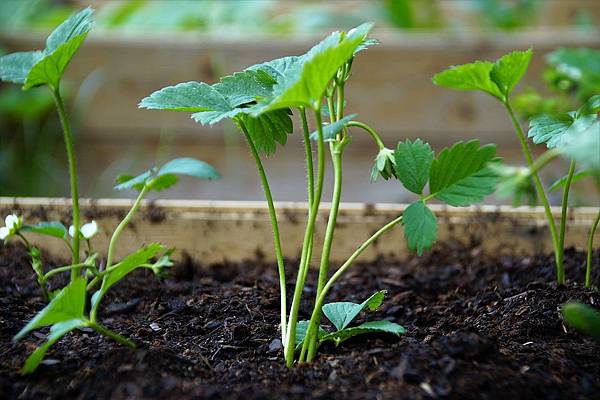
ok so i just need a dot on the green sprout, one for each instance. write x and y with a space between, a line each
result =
66 309
564 134
261 101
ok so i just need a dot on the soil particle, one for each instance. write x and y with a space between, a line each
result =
478 326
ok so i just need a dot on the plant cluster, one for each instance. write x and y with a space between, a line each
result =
574 135
67 307
261 101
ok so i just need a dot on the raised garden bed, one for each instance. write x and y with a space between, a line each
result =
481 315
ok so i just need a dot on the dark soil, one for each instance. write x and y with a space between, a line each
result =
478 327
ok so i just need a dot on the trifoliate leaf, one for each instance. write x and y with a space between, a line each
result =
560 183
413 161
342 313
16 66
556 130
330 131
55 229
473 76
367 327
68 304
420 227
304 84
460 175
583 318
509 69
56 332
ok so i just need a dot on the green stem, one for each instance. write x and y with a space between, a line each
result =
560 272
369 130
306 244
538 184
275 228
68 137
590 250
113 335
309 159
312 326
543 160
58 270
336 156
112 245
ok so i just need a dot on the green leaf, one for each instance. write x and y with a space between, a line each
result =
16 66
460 175
560 183
583 318
304 84
556 130
76 25
56 332
55 229
342 313
279 68
166 176
420 227
473 76
190 167
189 97
509 69
68 304
413 162
49 70
330 131
367 327
131 262
583 146
268 129
301 328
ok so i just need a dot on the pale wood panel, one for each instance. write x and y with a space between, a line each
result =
215 232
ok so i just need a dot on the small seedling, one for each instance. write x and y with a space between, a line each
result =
574 135
260 100
66 310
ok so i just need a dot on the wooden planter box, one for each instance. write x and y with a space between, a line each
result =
219 232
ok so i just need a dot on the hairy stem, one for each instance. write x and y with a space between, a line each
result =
68 137
560 272
111 247
306 245
539 187
274 227
312 326
336 156
590 250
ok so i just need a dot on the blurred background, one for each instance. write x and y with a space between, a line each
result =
139 46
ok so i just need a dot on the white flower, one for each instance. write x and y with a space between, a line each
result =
87 231
12 224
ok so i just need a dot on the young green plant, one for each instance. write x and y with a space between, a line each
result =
260 100
499 80
66 310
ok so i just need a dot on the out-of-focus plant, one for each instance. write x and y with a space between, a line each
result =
582 318
575 135
414 14
511 15
572 77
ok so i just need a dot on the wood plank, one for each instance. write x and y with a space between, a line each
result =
220 232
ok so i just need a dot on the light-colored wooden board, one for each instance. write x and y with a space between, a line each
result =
391 87
219 232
